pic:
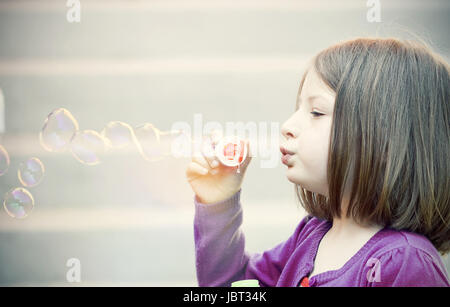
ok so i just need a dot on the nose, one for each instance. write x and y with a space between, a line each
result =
288 131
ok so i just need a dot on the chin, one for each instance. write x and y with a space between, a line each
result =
291 175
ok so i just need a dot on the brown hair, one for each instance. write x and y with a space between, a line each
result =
390 133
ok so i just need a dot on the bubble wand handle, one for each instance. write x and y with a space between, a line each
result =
231 151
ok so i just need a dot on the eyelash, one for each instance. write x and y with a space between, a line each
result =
316 113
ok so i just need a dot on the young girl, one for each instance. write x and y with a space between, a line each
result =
368 151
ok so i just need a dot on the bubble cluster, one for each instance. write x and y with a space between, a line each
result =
31 172
4 160
18 203
59 128
61 133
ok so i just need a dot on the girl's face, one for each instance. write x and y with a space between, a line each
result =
307 134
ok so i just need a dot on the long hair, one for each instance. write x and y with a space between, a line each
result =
390 136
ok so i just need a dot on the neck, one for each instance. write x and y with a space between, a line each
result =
348 227
344 226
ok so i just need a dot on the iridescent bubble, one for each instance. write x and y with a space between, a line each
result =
118 134
31 172
4 160
88 146
58 130
147 137
18 203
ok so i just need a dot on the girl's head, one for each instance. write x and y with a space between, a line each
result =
370 137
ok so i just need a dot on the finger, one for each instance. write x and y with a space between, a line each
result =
209 152
249 154
209 147
195 170
201 160
249 148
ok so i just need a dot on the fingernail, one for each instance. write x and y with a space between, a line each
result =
215 163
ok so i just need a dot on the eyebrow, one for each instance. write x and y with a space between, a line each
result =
310 98
314 97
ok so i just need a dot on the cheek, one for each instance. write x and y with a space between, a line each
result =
313 151
310 167
312 148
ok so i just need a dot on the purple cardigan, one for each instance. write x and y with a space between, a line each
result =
389 258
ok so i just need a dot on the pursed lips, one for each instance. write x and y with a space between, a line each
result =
287 154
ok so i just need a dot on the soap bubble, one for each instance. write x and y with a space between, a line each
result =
88 146
147 137
4 160
31 172
118 134
59 128
18 203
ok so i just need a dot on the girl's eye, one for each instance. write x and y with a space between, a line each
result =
316 114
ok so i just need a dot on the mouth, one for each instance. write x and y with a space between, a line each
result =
287 154
284 151
285 159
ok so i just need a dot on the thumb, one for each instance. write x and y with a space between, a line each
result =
249 155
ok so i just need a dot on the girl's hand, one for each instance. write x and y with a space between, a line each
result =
212 181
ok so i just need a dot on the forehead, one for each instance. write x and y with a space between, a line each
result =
314 88
314 85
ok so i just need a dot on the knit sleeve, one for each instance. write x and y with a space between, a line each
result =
406 266
220 247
